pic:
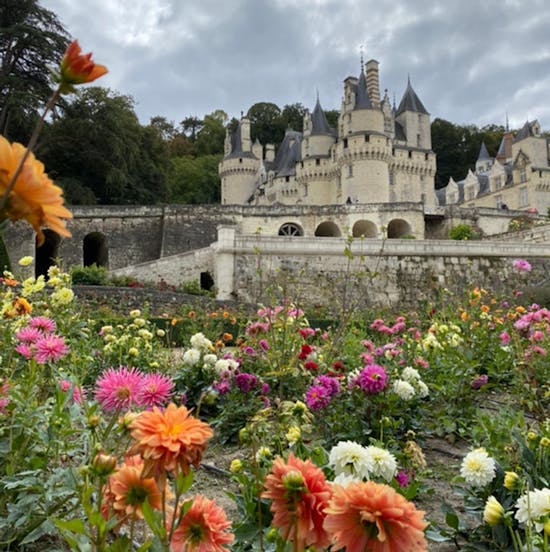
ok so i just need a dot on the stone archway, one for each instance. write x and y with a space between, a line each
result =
328 229
94 250
47 253
364 229
398 228
291 229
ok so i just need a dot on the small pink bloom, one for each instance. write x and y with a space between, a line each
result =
402 479
521 265
50 348
28 335
77 394
24 350
504 338
264 345
479 381
45 325
307 332
156 390
537 335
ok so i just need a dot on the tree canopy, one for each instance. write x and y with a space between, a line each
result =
31 41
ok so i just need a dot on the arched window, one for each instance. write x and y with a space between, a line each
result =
364 229
398 228
290 229
47 253
95 250
328 229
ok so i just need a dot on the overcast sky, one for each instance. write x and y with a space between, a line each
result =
470 61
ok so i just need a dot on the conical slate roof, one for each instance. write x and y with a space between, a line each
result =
525 132
411 102
289 153
319 123
483 153
362 100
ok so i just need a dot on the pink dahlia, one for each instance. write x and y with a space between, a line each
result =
318 397
43 324
24 350
118 389
50 348
68 387
28 335
372 379
156 390
521 265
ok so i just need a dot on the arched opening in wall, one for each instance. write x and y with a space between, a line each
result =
95 249
328 229
364 229
47 253
207 282
398 228
291 229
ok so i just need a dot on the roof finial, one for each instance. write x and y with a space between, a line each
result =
394 104
317 91
408 79
507 123
362 62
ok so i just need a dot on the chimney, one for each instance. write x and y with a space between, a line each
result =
270 152
373 85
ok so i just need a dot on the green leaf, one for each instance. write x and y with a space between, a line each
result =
451 519
184 482
435 535
154 520
74 526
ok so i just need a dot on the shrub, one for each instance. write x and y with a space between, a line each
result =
463 232
92 275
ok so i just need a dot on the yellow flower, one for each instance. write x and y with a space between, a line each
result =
236 466
26 261
34 197
493 512
62 296
544 442
293 434
511 480
133 352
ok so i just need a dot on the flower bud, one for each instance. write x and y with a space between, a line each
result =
493 512
104 464
511 480
236 466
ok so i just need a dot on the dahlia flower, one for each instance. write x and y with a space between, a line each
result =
50 348
155 390
493 512
372 379
478 468
370 516
349 458
533 506
78 68
381 463
169 439
118 389
203 528
403 389
299 495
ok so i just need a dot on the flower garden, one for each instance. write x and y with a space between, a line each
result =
104 427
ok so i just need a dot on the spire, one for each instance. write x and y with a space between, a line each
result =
483 153
410 101
361 97
319 123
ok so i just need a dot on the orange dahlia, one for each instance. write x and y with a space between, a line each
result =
169 438
34 197
127 490
78 68
299 494
203 528
370 516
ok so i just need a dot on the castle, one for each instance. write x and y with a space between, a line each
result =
517 178
379 155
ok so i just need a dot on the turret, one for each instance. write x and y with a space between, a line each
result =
414 119
484 160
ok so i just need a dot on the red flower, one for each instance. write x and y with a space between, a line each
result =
299 495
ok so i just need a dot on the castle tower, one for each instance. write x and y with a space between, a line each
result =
314 173
484 160
238 169
364 150
414 119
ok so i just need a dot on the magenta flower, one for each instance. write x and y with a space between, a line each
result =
246 382
24 350
402 479
479 381
317 397
222 387
504 338
330 383
4 399
118 389
43 324
68 387
50 348
372 379
28 335
156 390
521 265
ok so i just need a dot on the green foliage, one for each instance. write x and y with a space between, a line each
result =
266 123
32 40
462 232
92 275
193 181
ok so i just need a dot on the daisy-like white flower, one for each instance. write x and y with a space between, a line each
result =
118 389
410 374
350 458
478 468
381 463
199 341
533 506
403 389
50 348
156 390
423 389
191 357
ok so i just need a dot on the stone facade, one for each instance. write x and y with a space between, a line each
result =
517 178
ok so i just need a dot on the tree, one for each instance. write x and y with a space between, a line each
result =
210 140
31 41
293 116
194 181
99 144
266 123
191 127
